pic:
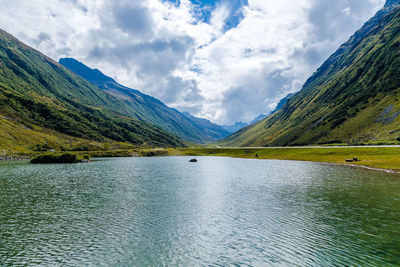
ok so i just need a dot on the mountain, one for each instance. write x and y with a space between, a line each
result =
211 129
235 127
149 109
42 99
352 98
282 103
239 125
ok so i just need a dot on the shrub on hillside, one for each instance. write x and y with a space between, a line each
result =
42 147
50 158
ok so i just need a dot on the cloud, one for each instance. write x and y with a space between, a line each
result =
346 11
133 18
226 61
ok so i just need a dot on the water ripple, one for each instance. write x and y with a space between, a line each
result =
218 212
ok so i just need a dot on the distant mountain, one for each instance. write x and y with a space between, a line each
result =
352 98
239 125
390 4
235 127
211 129
149 109
41 101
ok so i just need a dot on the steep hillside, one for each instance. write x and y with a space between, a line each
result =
352 98
211 129
259 118
37 92
149 109
282 103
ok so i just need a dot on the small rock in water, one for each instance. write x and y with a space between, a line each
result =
193 160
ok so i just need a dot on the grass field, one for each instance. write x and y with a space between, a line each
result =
387 158
384 158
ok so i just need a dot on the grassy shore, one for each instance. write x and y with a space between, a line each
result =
384 158
387 158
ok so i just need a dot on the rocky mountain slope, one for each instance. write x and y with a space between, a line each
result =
146 108
42 99
352 98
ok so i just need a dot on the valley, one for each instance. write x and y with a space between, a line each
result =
127 139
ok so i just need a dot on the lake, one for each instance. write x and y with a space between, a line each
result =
217 212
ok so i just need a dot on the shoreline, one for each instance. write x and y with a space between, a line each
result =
319 162
358 166
5 158
383 159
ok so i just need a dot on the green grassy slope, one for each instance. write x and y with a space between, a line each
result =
352 98
36 90
150 109
19 137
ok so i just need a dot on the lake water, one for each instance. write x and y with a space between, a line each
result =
217 212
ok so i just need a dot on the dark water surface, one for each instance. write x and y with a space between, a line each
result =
217 212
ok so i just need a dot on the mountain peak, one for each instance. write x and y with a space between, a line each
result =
350 99
390 3
149 109
84 71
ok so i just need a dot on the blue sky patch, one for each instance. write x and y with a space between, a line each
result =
204 9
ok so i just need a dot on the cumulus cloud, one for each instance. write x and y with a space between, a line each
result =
226 61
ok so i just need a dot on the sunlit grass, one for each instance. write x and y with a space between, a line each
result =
374 157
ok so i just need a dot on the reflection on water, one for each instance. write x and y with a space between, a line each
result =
219 211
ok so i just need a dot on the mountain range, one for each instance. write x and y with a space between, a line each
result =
149 109
239 125
353 98
41 102
233 128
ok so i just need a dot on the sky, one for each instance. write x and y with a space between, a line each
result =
223 60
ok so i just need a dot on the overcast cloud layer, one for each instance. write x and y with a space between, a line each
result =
226 62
